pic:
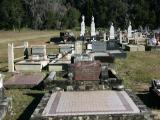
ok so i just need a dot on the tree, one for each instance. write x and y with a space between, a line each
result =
72 18
12 12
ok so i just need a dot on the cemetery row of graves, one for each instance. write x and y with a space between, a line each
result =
82 81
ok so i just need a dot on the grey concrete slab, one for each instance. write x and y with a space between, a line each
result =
89 103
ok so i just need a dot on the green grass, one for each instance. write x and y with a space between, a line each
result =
24 101
139 68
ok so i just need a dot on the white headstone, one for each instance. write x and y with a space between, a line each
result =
78 47
82 26
129 31
111 32
93 30
1 81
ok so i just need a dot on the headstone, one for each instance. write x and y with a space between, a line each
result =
39 50
93 33
87 70
111 32
129 31
98 46
112 45
82 27
78 47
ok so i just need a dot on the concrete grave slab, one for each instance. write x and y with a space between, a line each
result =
58 65
118 53
28 65
24 81
89 103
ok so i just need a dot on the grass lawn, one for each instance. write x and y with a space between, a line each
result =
137 70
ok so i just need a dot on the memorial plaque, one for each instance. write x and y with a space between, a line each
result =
87 70
98 46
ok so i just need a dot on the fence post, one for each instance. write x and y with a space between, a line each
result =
11 57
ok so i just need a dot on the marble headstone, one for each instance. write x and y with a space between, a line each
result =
129 35
82 27
111 32
93 30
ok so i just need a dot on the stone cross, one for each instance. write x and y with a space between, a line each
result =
111 32
93 30
82 27
129 35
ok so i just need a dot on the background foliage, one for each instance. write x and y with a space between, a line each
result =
61 14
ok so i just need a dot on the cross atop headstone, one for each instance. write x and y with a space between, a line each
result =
111 32
82 26
129 30
93 33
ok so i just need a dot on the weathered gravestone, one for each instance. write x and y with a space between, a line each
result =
82 27
98 46
112 45
87 70
111 32
93 29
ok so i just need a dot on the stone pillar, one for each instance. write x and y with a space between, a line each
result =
11 57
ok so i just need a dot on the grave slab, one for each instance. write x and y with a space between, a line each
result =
118 53
24 80
59 65
28 65
90 103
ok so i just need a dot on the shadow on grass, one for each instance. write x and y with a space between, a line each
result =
30 109
149 100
